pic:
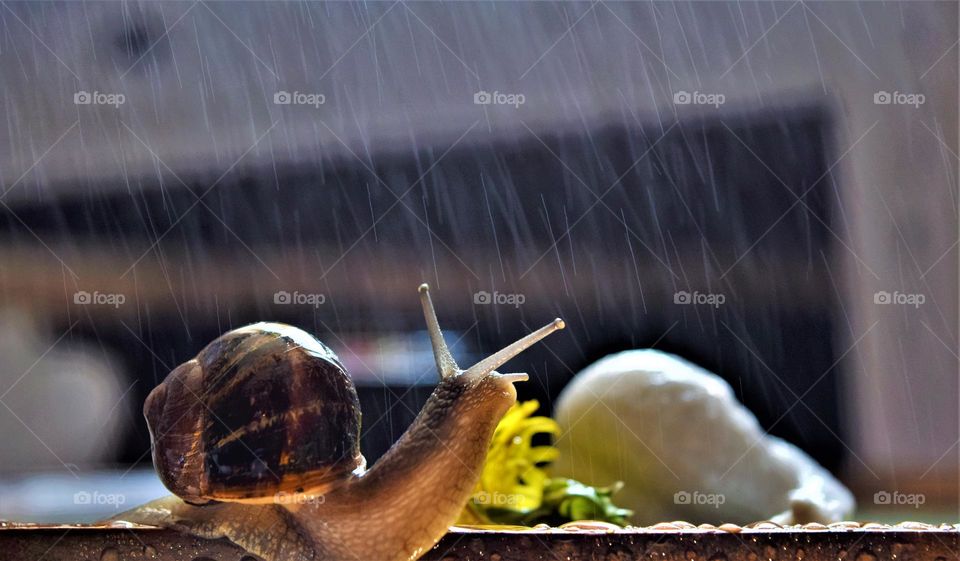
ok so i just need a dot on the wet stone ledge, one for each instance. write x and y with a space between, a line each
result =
677 541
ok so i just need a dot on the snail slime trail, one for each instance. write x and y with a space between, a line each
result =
276 389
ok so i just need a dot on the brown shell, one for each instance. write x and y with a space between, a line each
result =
263 409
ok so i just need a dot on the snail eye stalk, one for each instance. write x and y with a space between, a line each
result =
446 365
497 359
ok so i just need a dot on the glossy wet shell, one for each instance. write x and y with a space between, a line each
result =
263 410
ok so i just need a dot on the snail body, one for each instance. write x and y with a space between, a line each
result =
258 439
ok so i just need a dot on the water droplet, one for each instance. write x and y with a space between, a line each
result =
149 551
109 554
866 556
718 557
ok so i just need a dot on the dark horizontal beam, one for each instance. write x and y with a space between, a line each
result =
664 542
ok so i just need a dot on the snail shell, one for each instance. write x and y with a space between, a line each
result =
262 410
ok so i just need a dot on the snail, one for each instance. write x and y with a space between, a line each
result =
258 438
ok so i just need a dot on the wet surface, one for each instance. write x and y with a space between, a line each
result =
582 540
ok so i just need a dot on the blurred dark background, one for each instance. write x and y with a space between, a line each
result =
509 200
